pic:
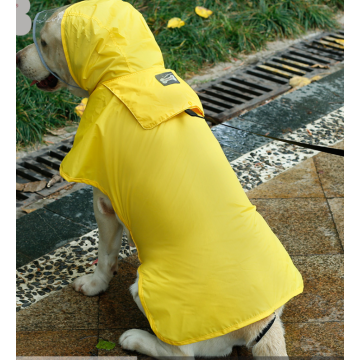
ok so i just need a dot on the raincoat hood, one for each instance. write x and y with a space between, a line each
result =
106 39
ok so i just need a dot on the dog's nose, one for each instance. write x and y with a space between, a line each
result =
17 59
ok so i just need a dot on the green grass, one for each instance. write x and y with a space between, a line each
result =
236 26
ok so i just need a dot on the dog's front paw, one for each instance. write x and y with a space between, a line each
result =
133 339
90 285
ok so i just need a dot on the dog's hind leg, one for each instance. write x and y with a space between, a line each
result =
110 235
272 345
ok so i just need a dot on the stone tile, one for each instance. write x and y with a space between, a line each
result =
117 308
57 343
315 339
331 172
304 226
299 181
21 259
323 296
114 336
42 231
238 141
133 260
77 206
63 310
337 210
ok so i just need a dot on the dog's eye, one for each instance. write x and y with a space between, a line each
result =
43 43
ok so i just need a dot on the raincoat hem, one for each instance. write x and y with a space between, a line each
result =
214 334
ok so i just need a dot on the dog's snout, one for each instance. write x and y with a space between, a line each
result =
17 59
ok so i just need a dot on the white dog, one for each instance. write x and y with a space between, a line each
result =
272 342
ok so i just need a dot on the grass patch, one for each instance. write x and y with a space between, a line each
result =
236 26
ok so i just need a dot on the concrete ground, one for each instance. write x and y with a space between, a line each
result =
303 206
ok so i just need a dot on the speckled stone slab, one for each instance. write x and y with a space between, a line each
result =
57 269
268 161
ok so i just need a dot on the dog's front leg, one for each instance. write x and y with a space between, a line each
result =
110 235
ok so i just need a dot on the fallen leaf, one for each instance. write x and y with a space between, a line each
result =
56 178
267 133
203 12
49 142
28 211
299 81
316 78
227 68
284 131
79 110
57 132
309 132
95 262
19 187
320 66
175 23
106 345
340 41
31 186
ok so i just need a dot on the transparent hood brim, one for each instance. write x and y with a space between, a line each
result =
41 19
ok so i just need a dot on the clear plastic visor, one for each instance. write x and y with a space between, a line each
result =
44 17
41 20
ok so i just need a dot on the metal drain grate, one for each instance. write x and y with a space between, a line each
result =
229 95
41 165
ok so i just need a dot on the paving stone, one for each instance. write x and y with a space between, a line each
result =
311 340
21 259
337 210
299 181
304 226
238 141
77 206
42 231
133 260
114 336
63 310
117 308
56 343
323 296
331 172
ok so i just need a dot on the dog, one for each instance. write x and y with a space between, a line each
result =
265 336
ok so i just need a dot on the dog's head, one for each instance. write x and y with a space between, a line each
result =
29 63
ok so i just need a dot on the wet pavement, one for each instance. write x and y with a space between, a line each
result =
300 193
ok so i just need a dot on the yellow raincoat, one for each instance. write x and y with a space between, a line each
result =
210 263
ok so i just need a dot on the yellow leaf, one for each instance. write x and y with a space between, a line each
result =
340 41
79 110
175 23
203 12
315 78
299 81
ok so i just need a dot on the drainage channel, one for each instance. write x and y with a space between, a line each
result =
41 165
224 98
229 95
